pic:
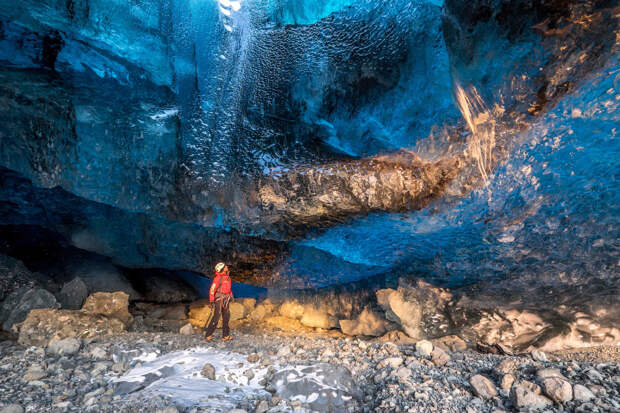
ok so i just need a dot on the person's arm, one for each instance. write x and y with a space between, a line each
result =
213 288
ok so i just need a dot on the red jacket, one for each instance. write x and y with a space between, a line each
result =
221 283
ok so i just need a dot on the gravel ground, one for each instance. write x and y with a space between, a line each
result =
391 378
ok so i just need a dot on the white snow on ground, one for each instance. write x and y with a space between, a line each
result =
185 385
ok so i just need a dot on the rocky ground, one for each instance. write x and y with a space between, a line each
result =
78 375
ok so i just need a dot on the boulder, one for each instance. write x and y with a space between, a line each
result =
522 397
439 357
237 311
507 381
260 311
406 313
284 323
424 348
368 323
19 303
64 347
248 303
13 276
101 276
558 389
208 371
292 309
73 294
318 318
200 312
450 343
483 387
112 305
582 393
325 387
161 286
186 330
43 326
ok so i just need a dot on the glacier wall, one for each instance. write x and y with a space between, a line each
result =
149 131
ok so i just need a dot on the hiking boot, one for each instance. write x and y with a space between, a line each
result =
227 338
207 339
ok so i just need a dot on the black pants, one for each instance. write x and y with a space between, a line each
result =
222 309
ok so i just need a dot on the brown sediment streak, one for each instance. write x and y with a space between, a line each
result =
329 193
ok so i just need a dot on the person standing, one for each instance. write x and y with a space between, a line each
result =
220 295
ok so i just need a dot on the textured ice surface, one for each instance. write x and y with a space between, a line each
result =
158 118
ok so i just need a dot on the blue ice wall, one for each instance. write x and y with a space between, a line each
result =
550 211
165 112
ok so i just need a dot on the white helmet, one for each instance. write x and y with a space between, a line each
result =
219 267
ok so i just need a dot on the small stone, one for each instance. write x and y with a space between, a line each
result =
533 387
261 407
249 374
550 372
538 355
64 347
253 358
98 353
237 411
12 408
582 393
507 366
403 372
424 348
507 381
208 371
594 375
275 401
557 389
284 351
186 330
439 357
521 396
169 409
420 396
483 387
34 373
393 362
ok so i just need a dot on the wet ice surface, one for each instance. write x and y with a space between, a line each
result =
177 376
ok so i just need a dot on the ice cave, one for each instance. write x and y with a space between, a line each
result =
410 169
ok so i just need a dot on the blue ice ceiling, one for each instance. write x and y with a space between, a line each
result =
162 117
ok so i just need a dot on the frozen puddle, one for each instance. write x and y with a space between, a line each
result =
177 376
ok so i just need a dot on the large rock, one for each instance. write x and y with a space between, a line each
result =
13 276
483 387
112 305
368 323
406 313
522 397
73 294
291 309
200 312
64 347
318 318
46 325
101 276
325 387
237 311
558 389
19 303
